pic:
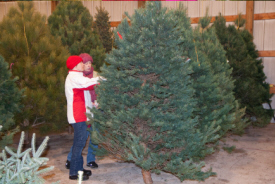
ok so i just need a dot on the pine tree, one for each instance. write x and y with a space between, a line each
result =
215 87
10 97
73 23
148 100
40 63
103 27
251 90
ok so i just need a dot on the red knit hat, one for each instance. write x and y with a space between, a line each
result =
86 57
72 61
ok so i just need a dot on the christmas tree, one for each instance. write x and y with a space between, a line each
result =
251 90
148 98
103 27
10 97
39 60
73 23
213 82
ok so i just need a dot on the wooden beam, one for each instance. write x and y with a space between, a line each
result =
264 16
272 90
267 53
229 18
141 4
249 16
116 23
53 5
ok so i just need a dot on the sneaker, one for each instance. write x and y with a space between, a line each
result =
92 165
75 177
67 165
87 172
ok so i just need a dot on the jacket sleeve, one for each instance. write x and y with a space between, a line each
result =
84 83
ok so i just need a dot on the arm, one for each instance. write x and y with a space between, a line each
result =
84 83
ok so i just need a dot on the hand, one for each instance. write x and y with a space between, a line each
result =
95 104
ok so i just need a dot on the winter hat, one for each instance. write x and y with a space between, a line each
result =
86 57
72 61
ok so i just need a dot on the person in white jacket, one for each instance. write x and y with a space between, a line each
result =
90 102
75 85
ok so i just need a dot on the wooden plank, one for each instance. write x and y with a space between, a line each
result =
259 34
242 7
116 23
2 10
264 16
53 5
96 4
204 5
128 6
108 6
230 7
249 16
170 4
116 15
269 65
267 53
269 6
217 8
269 35
88 5
44 8
193 9
259 7
141 4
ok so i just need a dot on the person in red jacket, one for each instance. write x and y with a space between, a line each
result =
75 86
90 101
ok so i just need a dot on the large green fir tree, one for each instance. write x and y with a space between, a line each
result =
39 60
213 82
251 90
149 103
103 27
73 23
10 97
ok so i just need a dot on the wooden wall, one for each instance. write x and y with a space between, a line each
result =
263 30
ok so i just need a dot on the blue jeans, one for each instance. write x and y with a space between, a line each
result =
90 155
80 137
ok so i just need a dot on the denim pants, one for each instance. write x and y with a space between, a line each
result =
90 155
80 137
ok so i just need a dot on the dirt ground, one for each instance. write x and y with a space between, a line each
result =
252 162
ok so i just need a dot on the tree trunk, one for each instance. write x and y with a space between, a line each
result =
26 123
147 177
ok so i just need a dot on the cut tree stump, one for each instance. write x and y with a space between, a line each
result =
147 177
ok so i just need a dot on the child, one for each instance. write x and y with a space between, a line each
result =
75 85
90 101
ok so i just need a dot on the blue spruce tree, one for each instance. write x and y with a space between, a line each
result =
148 99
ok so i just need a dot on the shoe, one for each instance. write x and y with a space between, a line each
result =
67 165
92 165
75 177
87 172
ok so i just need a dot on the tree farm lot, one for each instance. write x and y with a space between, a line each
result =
252 162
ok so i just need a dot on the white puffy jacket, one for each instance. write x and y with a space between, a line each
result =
77 97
